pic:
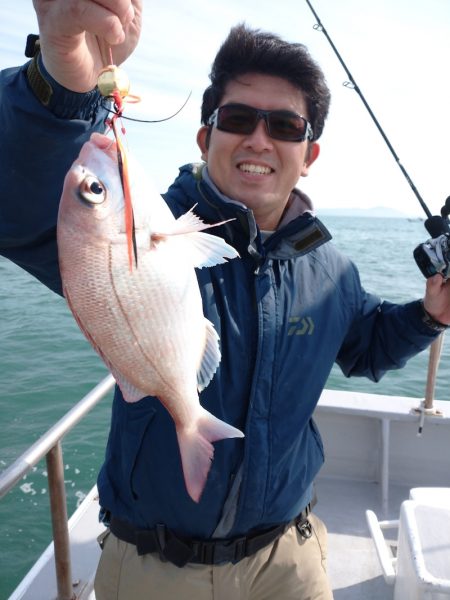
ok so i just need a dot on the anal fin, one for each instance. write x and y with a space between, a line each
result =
130 393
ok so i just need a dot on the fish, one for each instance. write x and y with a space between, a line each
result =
145 319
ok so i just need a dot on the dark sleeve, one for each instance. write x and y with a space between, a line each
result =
38 146
383 336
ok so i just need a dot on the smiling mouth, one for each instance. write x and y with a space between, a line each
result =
255 169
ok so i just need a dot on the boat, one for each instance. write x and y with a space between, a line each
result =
383 493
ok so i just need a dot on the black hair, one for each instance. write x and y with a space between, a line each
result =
254 51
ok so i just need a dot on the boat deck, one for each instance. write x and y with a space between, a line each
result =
353 564
374 458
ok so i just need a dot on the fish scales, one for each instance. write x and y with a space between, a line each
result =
146 322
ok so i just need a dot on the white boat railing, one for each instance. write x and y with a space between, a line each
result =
49 445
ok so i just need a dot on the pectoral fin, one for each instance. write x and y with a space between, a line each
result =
211 357
203 249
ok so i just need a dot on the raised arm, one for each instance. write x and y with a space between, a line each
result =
41 139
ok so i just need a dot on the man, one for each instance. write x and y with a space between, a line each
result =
251 535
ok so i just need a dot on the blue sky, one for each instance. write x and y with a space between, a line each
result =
397 51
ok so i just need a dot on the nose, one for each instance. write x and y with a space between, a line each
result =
259 140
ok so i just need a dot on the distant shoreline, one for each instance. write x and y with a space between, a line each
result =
379 211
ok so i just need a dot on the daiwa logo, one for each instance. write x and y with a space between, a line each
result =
301 326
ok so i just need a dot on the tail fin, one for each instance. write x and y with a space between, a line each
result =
197 451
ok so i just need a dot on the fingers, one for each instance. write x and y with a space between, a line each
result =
113 21
434 284
437 298
76 36
107 19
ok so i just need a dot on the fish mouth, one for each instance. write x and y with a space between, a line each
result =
97 152
101 140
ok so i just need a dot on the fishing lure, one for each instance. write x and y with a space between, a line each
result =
114 84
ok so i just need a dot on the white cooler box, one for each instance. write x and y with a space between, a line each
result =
421 569
423 556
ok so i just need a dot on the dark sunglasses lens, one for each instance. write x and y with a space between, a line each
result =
237 119
286 126
281 124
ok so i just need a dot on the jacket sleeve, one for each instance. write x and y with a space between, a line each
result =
38 146
383 336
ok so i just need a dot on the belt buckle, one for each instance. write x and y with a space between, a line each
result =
220 552
205 552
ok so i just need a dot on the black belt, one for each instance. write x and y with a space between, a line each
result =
180 551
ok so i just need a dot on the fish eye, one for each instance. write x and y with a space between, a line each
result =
92 190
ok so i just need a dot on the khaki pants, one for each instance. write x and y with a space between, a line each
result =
290 568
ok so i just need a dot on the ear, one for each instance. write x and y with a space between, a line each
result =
203 141
311 155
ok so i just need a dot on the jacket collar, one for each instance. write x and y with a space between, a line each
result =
298 233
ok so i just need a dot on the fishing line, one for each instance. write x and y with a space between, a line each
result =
103 104
353 85
113 84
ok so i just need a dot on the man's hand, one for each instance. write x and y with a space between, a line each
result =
75 36
437 299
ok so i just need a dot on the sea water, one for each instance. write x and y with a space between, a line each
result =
46 366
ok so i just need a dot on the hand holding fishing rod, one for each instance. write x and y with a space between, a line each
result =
73 55
432 257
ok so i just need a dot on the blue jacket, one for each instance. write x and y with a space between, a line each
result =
285 312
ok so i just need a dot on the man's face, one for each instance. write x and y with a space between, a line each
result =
256 169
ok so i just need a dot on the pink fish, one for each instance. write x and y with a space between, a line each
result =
146 322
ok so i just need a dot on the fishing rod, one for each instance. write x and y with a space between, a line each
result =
353 85
433 256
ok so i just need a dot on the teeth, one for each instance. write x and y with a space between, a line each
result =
248 168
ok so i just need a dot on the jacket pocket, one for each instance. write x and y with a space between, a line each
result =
139 419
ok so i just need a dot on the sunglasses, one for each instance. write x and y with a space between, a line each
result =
242 119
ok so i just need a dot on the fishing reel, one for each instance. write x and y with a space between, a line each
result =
433 256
